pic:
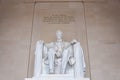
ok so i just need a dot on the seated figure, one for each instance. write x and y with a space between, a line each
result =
59 57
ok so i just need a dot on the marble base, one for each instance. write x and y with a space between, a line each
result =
56 77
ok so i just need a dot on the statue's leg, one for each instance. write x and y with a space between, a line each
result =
65 57
51 59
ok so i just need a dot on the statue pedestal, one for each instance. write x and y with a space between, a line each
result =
56 77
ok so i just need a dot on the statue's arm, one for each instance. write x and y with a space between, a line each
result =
71 57
45 50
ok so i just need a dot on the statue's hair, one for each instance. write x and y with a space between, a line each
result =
59 32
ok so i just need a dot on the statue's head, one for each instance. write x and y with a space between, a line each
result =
59 35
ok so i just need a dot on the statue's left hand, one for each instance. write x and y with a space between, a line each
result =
72 61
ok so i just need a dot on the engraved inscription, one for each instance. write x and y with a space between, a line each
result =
58 19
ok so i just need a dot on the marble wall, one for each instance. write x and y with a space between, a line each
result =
95 23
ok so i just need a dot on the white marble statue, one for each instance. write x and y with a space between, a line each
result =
59 58
58 54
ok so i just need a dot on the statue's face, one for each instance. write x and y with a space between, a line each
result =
59 34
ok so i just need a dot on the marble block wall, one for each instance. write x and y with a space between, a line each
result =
95 23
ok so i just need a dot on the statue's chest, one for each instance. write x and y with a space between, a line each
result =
59 46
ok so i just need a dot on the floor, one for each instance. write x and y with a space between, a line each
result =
96 26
